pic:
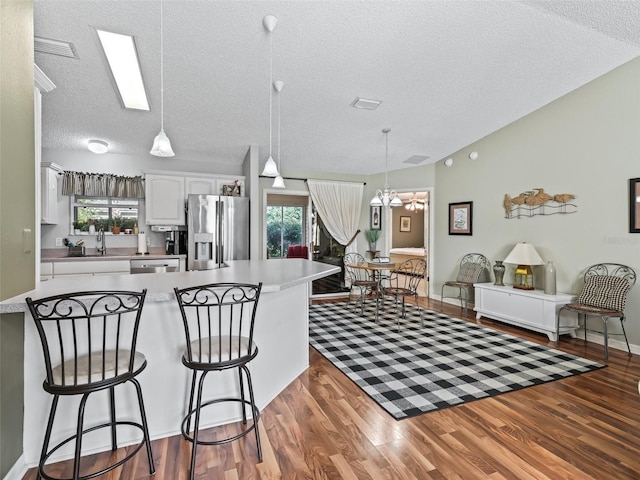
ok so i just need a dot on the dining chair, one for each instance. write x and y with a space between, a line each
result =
359 279
403 283
89 345
604 295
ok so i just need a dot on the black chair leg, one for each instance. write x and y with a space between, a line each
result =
112 401
196 426
47 435
253 410
78 450
625 335
145 426
244 410
193 388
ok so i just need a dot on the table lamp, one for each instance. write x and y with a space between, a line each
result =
523 256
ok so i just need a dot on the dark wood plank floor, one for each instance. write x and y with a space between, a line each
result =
324 427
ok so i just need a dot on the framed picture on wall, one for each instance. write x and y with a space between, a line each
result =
405 224
375 219
634 205
461 218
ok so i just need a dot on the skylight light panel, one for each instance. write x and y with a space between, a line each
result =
122 56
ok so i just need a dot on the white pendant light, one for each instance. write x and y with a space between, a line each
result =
161 144
386 197
270 167
278 182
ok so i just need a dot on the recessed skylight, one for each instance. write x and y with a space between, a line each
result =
122 56
366 103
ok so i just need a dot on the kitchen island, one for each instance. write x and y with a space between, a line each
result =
281 334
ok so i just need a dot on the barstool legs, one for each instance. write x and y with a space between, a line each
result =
114 441
145 426
47 435
253 410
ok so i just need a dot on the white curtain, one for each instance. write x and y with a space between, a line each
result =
339 205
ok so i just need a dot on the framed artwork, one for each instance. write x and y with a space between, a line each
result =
405 224
375 218
233 190
634 205
461 218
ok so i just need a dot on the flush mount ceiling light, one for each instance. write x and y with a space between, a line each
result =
98 146
122 57
386 197
448 162
161 144
365 103
278 182
270 167
473 155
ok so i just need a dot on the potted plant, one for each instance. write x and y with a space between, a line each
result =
116 226
372 236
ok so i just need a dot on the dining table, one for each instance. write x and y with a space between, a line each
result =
376 269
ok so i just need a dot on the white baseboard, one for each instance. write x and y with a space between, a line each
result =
17 471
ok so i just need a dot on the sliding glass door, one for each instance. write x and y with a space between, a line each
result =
286 223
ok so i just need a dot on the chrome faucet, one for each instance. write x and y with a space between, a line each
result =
102 248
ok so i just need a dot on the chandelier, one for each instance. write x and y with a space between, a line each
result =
415 203
386 197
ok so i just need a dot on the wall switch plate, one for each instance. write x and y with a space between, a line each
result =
58 242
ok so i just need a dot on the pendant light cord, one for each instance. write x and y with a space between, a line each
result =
279 101
161 72
270 89
386 160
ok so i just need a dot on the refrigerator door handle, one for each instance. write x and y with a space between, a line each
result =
220 249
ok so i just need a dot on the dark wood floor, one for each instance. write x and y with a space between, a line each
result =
324 427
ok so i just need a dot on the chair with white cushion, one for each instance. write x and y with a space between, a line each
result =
474 268
218 323
604 295
89 345
403 284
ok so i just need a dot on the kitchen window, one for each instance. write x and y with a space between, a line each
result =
104 212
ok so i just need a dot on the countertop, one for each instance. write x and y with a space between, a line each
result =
275 275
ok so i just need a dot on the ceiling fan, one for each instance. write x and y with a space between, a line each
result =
415 203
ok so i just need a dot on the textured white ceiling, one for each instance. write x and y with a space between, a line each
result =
448 72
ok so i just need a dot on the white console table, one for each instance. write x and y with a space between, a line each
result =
530 309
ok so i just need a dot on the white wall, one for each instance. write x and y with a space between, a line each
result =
586 144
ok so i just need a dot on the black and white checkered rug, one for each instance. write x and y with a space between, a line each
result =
446 363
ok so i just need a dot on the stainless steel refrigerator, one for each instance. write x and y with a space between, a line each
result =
218 230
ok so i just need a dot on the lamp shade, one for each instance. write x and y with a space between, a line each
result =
270 168
162 146
524 254
278 182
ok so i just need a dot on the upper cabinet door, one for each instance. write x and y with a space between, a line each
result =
201 186
165 199
49 195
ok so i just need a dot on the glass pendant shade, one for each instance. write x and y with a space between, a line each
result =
278 182
162 146
270 168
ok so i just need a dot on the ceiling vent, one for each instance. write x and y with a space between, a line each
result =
416 159
54 47
365 103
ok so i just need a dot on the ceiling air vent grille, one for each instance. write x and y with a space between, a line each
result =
365 103
54 47
416 159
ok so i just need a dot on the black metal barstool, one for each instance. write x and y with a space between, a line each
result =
89 345
218 323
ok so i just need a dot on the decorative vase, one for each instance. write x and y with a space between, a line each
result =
115 230
550 279
92 229
498 271
372 246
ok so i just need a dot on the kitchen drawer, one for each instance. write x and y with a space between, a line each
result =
90 267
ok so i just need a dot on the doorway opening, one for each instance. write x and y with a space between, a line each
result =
410 231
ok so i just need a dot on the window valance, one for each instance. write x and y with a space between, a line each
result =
102 185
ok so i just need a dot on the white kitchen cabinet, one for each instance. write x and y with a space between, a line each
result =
201 186
165 199
49 193
530 309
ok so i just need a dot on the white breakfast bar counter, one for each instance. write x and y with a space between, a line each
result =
281 333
